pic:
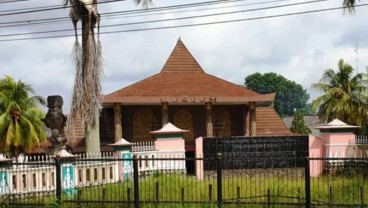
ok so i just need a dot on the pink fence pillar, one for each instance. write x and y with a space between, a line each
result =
337 137
333 142
122 149
199 154
170 143
169 139
316 150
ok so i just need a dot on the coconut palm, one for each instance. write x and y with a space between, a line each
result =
21 128
345 95
86 100
349 6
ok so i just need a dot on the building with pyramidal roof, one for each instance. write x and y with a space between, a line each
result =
184 94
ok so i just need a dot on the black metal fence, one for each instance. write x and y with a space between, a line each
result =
343 183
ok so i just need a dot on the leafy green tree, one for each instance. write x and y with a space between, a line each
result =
21 127
289 94
308 110
345 95
298 125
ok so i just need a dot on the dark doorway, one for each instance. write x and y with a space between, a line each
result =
189 163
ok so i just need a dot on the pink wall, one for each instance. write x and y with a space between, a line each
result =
328 145
337 144
316 150
170 144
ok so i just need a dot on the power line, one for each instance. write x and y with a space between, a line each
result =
180 6
192 25
203 9
12 1
63 19
50 9
172 19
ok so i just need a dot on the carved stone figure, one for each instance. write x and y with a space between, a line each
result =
55 118
55 121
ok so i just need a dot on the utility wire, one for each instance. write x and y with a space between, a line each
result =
123 15
192 25
12 1
172 19
49 8
180 6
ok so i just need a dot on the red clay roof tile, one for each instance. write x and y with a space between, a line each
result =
270 123
183 76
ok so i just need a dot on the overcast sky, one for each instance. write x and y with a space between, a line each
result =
299 47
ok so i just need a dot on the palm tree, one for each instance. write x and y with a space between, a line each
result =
86 100
21 128
345 95
349 6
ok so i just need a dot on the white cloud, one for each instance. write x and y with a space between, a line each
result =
298 47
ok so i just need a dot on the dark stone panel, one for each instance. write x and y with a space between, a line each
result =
256 152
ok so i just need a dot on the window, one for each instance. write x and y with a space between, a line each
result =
88 174
80 175
140 161
153 161
146 162
43 179
14 182
34 179
103 173
96 174
24 180
111 172
52 179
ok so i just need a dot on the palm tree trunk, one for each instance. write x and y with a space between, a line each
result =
91 84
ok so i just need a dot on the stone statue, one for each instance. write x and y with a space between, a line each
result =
55 121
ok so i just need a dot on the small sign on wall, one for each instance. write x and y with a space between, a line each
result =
4 182
68 180
127 165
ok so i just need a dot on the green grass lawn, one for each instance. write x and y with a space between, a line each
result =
180 191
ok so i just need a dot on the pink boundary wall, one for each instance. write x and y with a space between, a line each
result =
328 145
316 150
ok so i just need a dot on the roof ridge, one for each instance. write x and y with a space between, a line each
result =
181 59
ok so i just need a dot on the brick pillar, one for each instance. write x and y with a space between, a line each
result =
165 113
209 123
117 122
253 124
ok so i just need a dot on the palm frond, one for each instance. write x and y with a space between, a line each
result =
4 124
144 3
17 102
9 138
345 96
349 6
